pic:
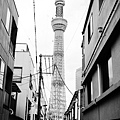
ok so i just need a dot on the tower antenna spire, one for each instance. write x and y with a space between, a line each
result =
58 95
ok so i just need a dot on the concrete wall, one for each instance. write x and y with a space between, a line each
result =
4 50
116 59
100 19
24 60
95 84
106 109
89 47
106 106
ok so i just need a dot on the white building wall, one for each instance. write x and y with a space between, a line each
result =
78 87
23 59
78 79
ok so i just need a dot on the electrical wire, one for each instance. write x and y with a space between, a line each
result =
43 83
49 64
32 74
63 80
75 30
52 94
25 83
45 95
26 76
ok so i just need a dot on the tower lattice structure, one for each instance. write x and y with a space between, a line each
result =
58 96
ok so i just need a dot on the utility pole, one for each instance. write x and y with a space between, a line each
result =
39 88
39 92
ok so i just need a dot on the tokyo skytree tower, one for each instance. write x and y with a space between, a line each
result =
57 103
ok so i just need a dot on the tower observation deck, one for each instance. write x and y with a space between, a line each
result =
57 102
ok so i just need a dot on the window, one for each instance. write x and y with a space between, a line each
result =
106 73
2 68
76 112
104 76
83 52
17 76
100 79
9 77
90 91
8 19
99 82
93 85
90 28
13 37
110 71
30 83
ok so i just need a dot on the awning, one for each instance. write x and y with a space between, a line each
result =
15 88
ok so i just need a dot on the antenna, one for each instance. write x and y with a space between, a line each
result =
35 33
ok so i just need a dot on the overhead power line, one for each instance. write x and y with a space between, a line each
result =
53 73
29 75
24 76
76 30
45 97
63 80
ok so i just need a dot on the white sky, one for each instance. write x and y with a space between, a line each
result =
75 13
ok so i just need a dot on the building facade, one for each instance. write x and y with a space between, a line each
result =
8 34
73 111
78 79
26 102
101 66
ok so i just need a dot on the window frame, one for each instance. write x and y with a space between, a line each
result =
110 71
92 93
8 20
90 28
17 79
13 36
3 73
103 79
104 69
89 96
